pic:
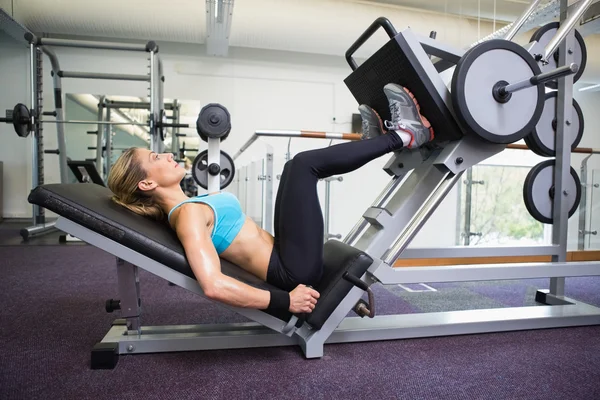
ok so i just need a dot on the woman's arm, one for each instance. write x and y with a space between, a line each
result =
202 256
192 230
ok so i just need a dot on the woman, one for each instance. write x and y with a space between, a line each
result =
214 226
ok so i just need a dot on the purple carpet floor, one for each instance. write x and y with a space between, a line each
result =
52 313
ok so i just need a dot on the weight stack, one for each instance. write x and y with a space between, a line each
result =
396 62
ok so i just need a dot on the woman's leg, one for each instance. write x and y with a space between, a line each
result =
298 218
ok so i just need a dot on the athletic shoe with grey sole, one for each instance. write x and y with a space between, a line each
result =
405 116
372 125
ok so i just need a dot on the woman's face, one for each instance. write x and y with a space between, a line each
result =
161 169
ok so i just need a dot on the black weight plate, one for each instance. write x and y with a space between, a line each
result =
200 169
538 188
472 83
543 37
21 119
543 135
532 145
162 118
213 122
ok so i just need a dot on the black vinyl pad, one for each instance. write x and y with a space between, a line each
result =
90 205
396 62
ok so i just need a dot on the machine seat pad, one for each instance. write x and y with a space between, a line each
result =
90 205
338 258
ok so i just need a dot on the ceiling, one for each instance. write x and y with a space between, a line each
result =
500 10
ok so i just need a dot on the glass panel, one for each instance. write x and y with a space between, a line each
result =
592 239
493 211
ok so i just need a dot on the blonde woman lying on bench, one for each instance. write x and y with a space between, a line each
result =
213 225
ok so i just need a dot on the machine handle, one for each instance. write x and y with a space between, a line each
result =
355 281
380 22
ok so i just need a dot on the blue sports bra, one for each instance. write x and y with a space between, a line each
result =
229 217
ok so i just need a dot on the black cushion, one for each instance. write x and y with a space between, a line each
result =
89 205
338 258
396 62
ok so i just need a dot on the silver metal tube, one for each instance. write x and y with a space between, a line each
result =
98 75
60 114
565 27
99 137
279 133
69 121
541 78
583 204
327 209
108 150
292 134
34 161
383 197
562 174
135 105
519 23
85 44
245 146
420 218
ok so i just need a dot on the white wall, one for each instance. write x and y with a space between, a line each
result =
15 152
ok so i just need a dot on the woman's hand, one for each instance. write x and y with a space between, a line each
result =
303 299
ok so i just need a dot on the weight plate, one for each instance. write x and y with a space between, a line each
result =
214 122
476 73
543 37
533 146
21 119
200 169
543 136
162 117
538 191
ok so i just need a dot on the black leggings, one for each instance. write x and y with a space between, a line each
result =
298 252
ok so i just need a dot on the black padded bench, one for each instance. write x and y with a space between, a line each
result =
89 205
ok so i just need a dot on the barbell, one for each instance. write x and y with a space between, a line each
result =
214 121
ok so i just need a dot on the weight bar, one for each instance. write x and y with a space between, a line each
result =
502 91
21 120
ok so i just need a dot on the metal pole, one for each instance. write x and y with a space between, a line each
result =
326 211
541 78
300 134
34 140
419 219
562 173
107 143
85 44
268 206
99 137
519 23
583 205
94 122
60 114
96 75
566 27
468 197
